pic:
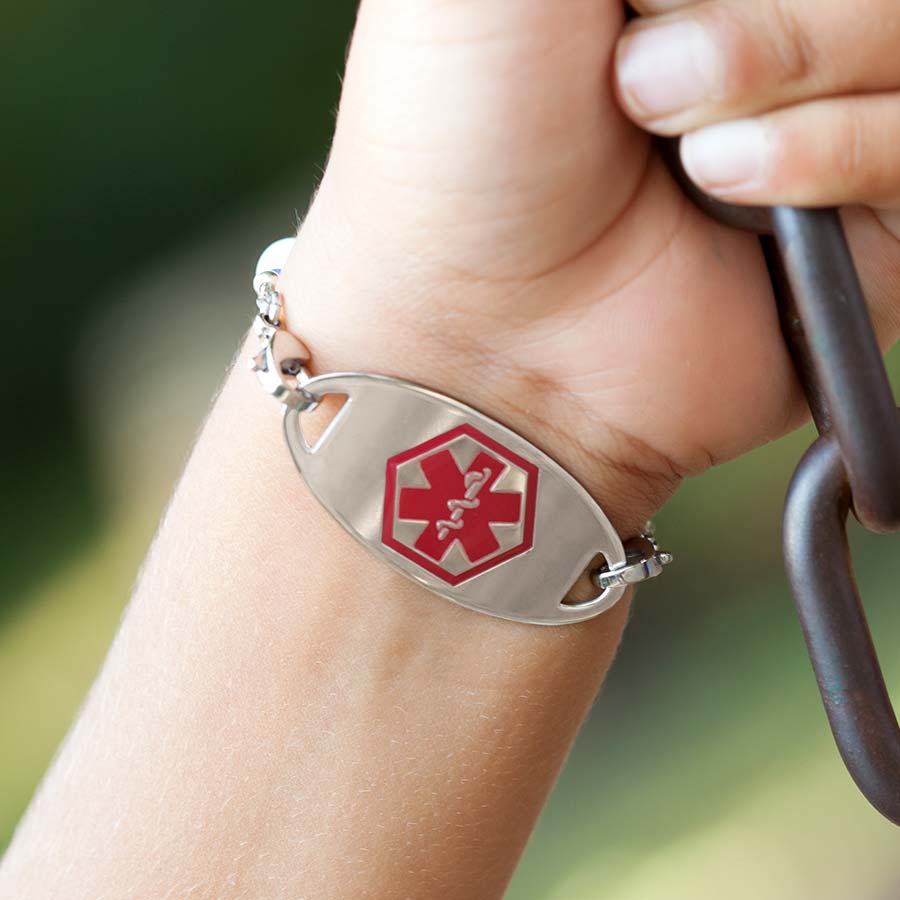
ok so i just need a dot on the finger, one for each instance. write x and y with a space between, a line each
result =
875 252
727 58
656 7
824 153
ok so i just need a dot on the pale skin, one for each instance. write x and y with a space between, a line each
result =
282 715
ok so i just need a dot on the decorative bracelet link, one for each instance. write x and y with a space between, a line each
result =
280 365
643 561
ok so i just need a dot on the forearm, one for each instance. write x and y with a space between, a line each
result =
282 715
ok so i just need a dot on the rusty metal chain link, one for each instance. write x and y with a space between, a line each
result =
854 465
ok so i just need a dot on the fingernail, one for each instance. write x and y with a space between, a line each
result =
727 157
664 69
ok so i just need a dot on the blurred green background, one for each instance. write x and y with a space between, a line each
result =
148 153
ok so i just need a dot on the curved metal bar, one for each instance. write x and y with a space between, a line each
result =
794 336
830 336
820 571
828 329
745 218
846 359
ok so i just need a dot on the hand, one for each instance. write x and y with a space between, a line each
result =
793 102
490 224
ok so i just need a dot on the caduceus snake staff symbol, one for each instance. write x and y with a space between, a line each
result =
459 507
474 482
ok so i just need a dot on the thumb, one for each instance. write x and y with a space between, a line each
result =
466 123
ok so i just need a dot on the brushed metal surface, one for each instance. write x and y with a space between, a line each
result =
383 417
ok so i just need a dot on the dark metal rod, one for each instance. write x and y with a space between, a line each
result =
819 568
794 336
829 334
848 365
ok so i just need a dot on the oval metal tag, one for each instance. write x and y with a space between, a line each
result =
455 500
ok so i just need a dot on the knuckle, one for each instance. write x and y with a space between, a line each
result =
794 53
762 45
851 165
740 53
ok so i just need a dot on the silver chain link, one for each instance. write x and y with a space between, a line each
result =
280 364
643 561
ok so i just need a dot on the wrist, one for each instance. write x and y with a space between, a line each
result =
347 326
299 675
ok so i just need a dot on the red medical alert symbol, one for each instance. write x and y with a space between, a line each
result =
459 504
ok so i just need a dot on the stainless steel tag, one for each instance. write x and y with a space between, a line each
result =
455 500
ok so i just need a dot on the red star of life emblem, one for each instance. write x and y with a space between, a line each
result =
459 504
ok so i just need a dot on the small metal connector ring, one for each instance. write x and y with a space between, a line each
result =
643 561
